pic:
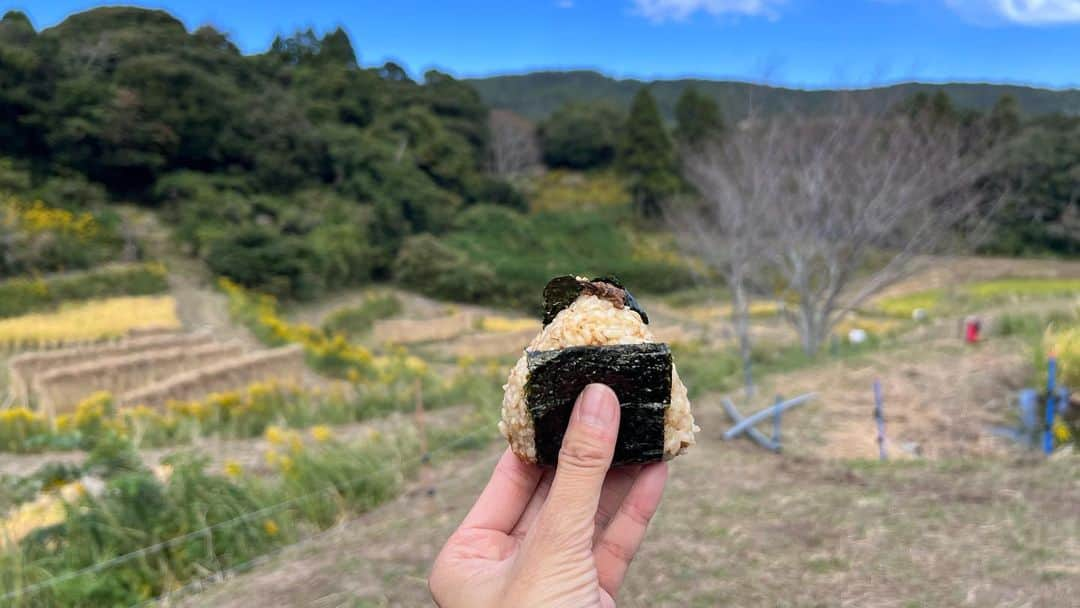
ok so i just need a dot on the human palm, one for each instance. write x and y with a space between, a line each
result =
553 538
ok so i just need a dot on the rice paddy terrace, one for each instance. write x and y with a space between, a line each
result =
957 516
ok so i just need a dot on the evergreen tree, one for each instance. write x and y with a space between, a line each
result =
1004 119
581 135
697 118
646 155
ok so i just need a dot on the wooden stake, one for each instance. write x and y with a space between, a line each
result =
879 418
421 428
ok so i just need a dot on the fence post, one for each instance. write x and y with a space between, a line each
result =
776 423
1029 416
879 417
1051 408
421 427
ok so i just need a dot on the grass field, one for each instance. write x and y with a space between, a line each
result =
741 528
957 517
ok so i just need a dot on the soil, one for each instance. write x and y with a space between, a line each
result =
970 522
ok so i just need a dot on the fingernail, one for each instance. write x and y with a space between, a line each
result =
597 406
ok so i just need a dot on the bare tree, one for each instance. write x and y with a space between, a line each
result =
514 147
843 205
726 227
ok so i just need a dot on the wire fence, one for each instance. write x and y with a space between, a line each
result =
375 529
258 513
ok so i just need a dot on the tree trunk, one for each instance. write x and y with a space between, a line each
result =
811 330
740 319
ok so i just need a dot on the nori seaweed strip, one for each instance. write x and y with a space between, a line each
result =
640 374
561 292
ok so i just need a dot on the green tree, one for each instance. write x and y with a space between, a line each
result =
697 118
1004 119
646 155
1041 174
581 136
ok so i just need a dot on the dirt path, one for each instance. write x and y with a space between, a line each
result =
248 453
198 304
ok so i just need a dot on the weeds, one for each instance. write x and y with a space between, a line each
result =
975 295
357 321
147 533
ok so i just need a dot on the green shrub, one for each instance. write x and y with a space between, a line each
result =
434 268
581 135
497 256
22 295
73 192
291 247
357 320
42 238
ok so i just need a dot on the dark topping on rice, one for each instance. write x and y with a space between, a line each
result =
561 292
605 291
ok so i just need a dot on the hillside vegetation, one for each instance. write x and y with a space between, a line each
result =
291 171
537 95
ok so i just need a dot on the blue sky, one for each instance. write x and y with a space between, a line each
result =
808 43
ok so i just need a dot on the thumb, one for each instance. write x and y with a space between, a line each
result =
584 459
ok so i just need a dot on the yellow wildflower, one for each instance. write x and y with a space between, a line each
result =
275 435
1061 432
270 527
233 469
416 365
321 433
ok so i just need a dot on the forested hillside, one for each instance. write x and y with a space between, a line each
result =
538 94
288 171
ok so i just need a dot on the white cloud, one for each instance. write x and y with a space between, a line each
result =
565 4
677 10
1024 12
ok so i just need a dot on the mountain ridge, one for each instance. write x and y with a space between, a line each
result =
536 94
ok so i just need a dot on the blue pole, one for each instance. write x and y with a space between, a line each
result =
776 423
1029 416
765 414
879 417
1051 408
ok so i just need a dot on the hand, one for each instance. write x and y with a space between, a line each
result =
561 538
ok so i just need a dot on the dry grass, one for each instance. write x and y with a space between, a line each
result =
970 524
88 321
60 390
412 331
483 346
739 527
285 364
940 398
25 367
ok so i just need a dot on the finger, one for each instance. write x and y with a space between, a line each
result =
587 448
616 486
506 495
528 517
618 544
